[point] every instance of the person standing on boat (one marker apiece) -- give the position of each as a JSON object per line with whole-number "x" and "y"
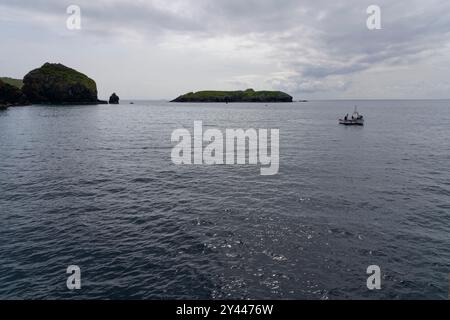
{"x": 346, "y": 117}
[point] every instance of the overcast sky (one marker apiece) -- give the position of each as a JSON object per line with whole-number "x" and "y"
{"x": 312, "y": 49}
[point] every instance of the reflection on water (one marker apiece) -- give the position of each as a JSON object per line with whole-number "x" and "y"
{"x": 95, "y": 187}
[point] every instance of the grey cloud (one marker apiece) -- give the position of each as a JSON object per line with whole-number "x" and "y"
{"x": 315, "y": 39}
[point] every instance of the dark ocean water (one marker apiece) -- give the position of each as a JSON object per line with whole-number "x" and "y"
{"x": 95, "y": 187}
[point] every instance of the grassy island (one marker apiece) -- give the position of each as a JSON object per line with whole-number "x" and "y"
{"x": 57, "y": 84}
{"x": 249, "y": 95}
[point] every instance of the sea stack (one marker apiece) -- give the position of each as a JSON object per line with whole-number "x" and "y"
{"x": 57, "y": 84}
{"x": 114, "y": 99}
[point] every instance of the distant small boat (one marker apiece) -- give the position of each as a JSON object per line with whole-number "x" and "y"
{"x": 357, "y": 119}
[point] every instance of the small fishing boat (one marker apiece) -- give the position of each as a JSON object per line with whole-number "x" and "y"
{"x": 357, "y": 119}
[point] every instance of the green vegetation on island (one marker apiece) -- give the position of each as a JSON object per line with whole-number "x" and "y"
{"x": 18, "y": 83}
{"x": 54, "y": 83}
{"x": 248, "y": 95}
{"x": 58, "y": 84}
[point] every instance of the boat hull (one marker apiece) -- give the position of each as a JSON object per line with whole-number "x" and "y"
{"x": 351, "y": 122}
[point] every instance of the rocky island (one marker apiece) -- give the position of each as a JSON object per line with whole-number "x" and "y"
{"x": 57, "y": 84}
{"x": 248, "y": 95}
{"x": 114, "y": 99}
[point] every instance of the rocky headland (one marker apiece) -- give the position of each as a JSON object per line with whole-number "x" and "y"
{"x": 11, "y": 95}
{"x": 53, "y": 83}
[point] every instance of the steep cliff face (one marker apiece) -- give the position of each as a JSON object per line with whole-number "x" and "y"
{"x": 58, "y": 84}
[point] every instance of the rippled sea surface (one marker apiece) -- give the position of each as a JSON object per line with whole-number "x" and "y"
{"x": 94, "y": 186}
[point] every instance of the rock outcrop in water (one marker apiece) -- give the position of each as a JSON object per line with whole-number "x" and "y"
{"x": 58, "y": 84}
{"x": 11, "y": 96}
{"x": 249, "y": 95}
{"x": 114, "y": 99}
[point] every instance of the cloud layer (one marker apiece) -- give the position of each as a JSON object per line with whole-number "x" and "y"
{"x": 311, "y": 48}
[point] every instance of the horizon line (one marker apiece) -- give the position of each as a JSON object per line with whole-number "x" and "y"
{"x": 312, "y": 100}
